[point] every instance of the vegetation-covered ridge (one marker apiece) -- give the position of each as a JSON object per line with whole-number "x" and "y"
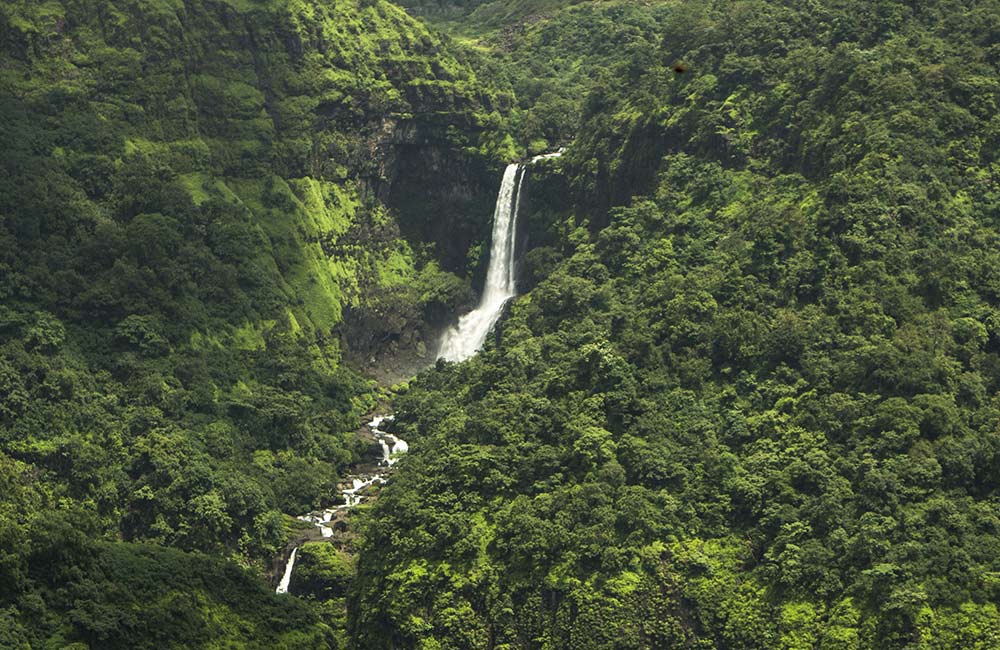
{"x": 752, "y": 402}
{"x": 189, "y": 211}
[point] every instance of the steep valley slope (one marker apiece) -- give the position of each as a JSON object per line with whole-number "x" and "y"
{"x": 202, "y": 215}
{"x": 747, "y": 396}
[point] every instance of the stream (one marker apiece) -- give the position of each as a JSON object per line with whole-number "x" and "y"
{"x": 392, "y": 447}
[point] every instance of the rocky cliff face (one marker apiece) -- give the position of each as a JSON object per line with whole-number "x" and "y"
{"x": 441, "y": 193}
{"x": 440, "y": 196}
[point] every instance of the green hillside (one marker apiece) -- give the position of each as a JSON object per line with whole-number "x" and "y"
{"x": 746, "y": 399}
{"x": 190, "y": 211}
{"x": 753, "y": 401}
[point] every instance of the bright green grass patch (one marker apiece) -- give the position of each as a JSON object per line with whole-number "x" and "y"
{"x": 329, "y": 207}
{"x": 304, "y": 268}
{"x": 398, "y": 268}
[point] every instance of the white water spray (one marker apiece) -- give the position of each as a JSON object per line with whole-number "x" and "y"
{"x": 465, "y": 339}
{"x": 462, "y": 341}
{"x": 287, "y": 578}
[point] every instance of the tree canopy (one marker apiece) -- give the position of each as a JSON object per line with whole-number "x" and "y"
{"x": 751, "y": 403}
{"x": 748, "y": 397}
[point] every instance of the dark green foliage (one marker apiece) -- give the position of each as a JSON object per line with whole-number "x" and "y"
{"x": 131, "y": 596}
{"x": 322, "y": 572}
{"x": 752, "y": 403}
{"x": 187, "y": 210}
{"x": 749, "y": 402}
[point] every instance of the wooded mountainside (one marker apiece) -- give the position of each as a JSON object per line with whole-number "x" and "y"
{"x": 752, "y": 401}
{"x": 190, "y": 195}
{"x": 748, "y": 397}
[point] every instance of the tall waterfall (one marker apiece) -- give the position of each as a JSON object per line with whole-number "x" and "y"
{"x": 464, "y": 340}
{"x": 286, "y": 579}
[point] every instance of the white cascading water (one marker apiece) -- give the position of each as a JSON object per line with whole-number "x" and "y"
{"x": 287, "y": 578}
{"x": 392, "y": 448}
{"x": 464, "y": 340}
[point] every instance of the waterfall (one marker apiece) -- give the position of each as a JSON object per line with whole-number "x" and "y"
{"x": 287, "y": 578}
{"x": 462, "y": 341}
{"x": 458, "y": 343}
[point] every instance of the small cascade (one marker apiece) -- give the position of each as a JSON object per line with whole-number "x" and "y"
{"x": 392, "y": 448}
{"x": 399, "y": 447}
{"x": 546, "y": 156}
{"x": 286, "y": 579}
{"x": 465, "y": 339}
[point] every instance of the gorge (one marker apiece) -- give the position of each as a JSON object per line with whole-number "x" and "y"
{"x": 281, "y": 366}
{"x": 457, "y": 344}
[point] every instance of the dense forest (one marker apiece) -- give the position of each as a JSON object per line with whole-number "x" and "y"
{"x": 749, "y": 396}
{"x": 192, "y": 222}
